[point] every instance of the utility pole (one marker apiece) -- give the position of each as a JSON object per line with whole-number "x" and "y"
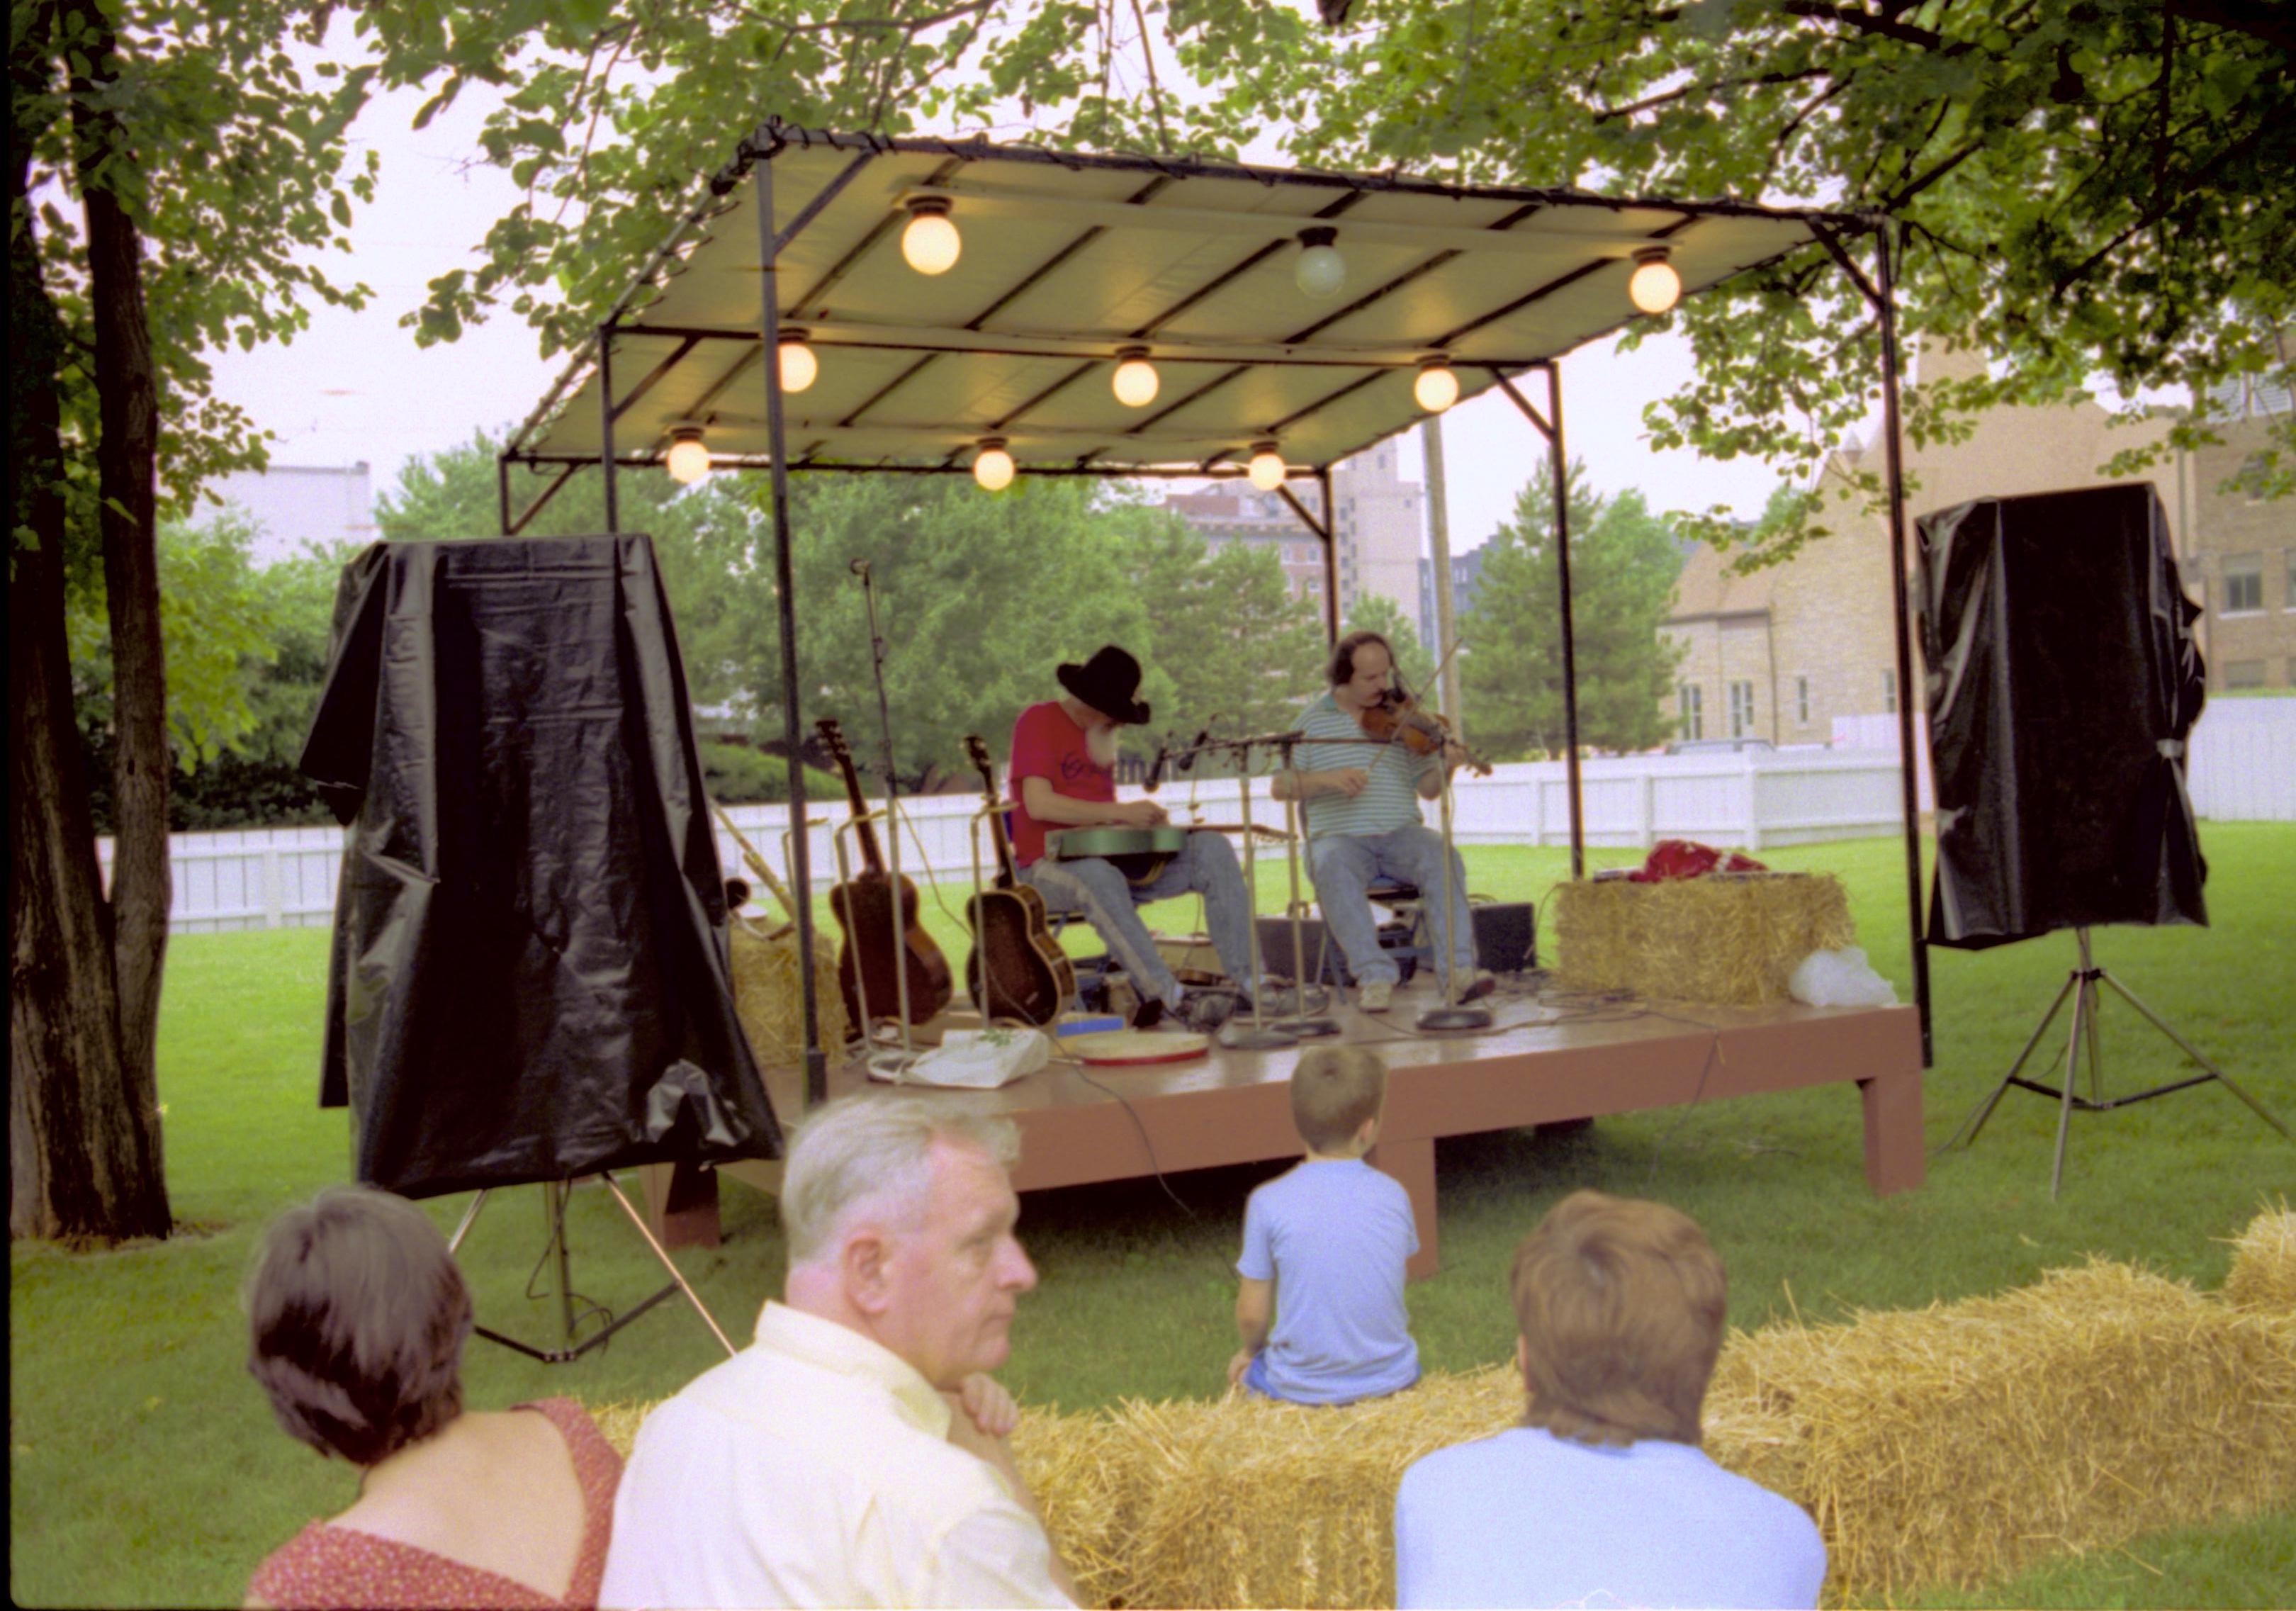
{"x": 1438, "y": 543}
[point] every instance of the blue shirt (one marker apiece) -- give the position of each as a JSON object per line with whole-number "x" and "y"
{"x": 1391, "y": 798}
{"x": 1333, "y": 1234}
{"x": 1526, "y": 1519}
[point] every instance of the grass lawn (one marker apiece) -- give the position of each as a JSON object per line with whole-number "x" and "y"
{"x": 146, "y": 1469}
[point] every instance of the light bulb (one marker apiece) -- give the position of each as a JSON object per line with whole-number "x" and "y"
{"x": 1655, "y": 286}
{"x": 930, "y": 243}
{"x": 1437, "y": 388}
{"x": 1136, "y": 379}
{"x": 1266, "y": 467}
{"x": 1321, "y": 270}
{"x": 689, "y": 459}
{"x": 992, "y": 466}
{"x": 799, "y": 365}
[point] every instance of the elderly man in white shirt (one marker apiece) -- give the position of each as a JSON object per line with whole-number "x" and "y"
{"x": 855, "y": 1454}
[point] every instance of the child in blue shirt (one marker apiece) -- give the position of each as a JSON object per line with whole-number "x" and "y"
{"x": 1323, "y": 1251}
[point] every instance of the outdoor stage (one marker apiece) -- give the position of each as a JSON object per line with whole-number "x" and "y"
{"x": 1544, "y": 1060}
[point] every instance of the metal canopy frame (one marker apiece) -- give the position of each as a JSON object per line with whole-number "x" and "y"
{"x": 1329, "y": 398}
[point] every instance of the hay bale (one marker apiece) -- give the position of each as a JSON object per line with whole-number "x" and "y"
{"x": 768, "y": 998}
{"x": 619, "y": 1423}
{"x": 2263, "y": 1275}
{"x": 1733, "y": 939}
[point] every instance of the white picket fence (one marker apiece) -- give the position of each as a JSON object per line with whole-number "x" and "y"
{"x": 2242, "y": 768}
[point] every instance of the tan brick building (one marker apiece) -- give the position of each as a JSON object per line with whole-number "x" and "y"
{"x": 2240, "y": 557}
{"x": 1779, "y": 653}
{"x": 1379, "y": 532}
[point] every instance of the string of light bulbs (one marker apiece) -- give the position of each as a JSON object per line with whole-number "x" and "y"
{"x": 931, "y": 245}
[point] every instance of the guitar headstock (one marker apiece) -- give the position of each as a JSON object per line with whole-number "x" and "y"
{"x": 833, "y": 736}
{"x": 975, "y": 748}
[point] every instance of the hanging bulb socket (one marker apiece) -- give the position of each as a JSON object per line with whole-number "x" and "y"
{"x": 1654, "y": 286}
{"x": 993, "y": 466}
{"x": 1321, "y": 270}
{"x": 688, "y": 459}
{"x": 1136, "y": 380}
{"x": 1437, "y": 385}
{"x": 931, "y": 241}
{"x": 800, "y": 366}
{"x": 1267, "y": 469}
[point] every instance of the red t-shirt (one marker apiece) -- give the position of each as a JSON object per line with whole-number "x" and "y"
{"x": 1047, "y": 744}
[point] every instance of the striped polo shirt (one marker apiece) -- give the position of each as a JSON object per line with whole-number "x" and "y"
{"x": 1390, "y": 800}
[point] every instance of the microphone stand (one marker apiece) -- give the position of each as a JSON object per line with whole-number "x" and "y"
{"x": 896, "y": 1063}
{"x": 1299, "y": 1023}
{"x": 1451, "y": 1015}
{"x": 1262, "y": 1036}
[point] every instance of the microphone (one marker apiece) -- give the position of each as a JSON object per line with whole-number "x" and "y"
{"x": 1195, "y": 748}
{"x": 1155, "y": 779}
{"x": 859, "y": 567}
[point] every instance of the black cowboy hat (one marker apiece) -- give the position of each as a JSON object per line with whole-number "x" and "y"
{"x": 1107, "y": 682}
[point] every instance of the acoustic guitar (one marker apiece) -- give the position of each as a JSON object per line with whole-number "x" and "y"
{"x": 1017, "y": 967}
{"x": 884, "y": 939}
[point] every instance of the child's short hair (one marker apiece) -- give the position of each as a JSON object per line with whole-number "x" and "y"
{"x": 1621, "y": 1304}
{"x": 1333, "y": 1090}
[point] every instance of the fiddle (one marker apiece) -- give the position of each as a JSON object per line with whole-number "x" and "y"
{"x": 1400, "y": 719}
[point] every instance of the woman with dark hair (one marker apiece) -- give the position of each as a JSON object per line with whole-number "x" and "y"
{"x": 357, "y": 1315}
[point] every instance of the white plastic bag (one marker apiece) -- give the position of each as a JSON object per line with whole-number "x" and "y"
{"x": 978, "y": 1059}
{"x": 1843, "y": 978}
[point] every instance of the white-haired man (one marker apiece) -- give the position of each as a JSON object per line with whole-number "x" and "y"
{"x": 855, "y": 1453}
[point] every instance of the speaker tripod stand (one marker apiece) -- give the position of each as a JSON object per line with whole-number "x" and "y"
{"x": 555, "y": 1194}
{"x": 2081, "y": 985}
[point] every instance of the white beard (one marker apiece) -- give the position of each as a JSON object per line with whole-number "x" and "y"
{"x": 1101, "y": 744}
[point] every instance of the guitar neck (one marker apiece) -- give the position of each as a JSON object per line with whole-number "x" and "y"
{"x": 862, "y": 831}
{"x": 1006, "y": 874}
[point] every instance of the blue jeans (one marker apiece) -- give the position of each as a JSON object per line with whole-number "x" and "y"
{"x": 1207, "y": 867}
{"x": 1345, "y": 865}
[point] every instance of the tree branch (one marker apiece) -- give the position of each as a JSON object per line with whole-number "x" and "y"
{"x": 1648, "y": 102}
{"x": 2161, "y": 208}
{"x": 1863, "y": 22}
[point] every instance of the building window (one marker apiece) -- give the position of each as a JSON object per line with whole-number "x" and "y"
{"x": 1692, "y": 698}
{"x": 2243, "y": 674}
{"x": 2243, "y": 583}
{"x": 1741, "y": 709}
{"x": 1890, "y": 692}
{"x": 1801, "y": 700}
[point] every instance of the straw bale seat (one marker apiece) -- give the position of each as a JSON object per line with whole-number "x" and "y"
{"x": 1955, "y": 1444}
{"x": 767, "y": 995}
{"x": 1730, "y": 938}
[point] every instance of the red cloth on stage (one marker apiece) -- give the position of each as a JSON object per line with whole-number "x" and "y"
{"x": 1047, "y": 743}
{"x": 1687, "y": 858}
{"x": 327, "y": 1565}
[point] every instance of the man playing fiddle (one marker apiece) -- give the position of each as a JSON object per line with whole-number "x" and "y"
{"x": 1362, "y": 810}
{"x": 1064, "y": 776}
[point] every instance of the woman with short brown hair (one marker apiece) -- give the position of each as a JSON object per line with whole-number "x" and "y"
{"x": 357, "y": 1318}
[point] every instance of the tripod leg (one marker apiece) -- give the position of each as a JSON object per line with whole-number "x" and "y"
{"x": 2186, "y": 1046}
{"x": 675, "y": 1275}
{"x": 1967, "y": 1134}
{"x": 2084, "y": 1012}
{"x": 470, "y": 1218}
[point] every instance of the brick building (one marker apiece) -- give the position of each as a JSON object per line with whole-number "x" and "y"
{"x": 2240, "y": 557}
{"x": 1377, "y": 534}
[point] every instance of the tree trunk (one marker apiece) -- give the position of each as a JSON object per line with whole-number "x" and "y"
{"x": 83, "y": 1149}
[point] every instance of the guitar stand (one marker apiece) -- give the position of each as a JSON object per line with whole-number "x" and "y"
{"x": 554, "y": 1196}
{"x": 885, "y": 1061}
{"x": 2081, "y": 985}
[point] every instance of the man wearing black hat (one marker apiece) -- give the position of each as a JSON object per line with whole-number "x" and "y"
{"x": 1064, "y": 776}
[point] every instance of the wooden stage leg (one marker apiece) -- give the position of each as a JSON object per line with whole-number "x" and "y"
{"x": 681, "y": 1204}
{"x": 1413, "y": 1163}
{"x": 1894, "y": 1159}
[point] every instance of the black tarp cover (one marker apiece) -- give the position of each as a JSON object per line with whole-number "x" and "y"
{"x": 2062, "y": 679}
{"x": 528, "y": 978}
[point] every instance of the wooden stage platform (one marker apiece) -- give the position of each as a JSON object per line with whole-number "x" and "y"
{"x": 1544, "y": 1059}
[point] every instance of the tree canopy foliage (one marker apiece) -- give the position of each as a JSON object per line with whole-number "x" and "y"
{"x": 1623, "y": 565}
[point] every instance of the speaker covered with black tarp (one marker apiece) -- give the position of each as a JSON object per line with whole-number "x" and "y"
{"x": 2062, "y": 680}
{"x": 529, "y": 976}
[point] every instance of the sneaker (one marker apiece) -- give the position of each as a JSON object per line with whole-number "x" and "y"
{"x": 1204, "y": 1010}
{"x": 1275, "y": 1002}
{"x": 1375, "y": 995}
{"x": 1477, "y": 985}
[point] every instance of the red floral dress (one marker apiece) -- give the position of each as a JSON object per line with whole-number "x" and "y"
{"x": 329, "y": 1566}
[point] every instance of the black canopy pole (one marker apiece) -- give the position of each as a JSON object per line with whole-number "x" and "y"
{"x": 606, "y": 412}
{"x": 769, "y": 323}
{"x": 1330, "y": 536}
{"x": 1561, "y": 469}
{"x": 1885, "y": 307}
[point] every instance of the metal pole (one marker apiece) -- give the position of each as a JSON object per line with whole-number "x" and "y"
{"x": 769, "y": 323}
{"x": 606, "y": 422}
{"x": 502, "y": 492}
{"x": 1439, "y": 548}
{"x": 1330, "y": 536}
{"x": 1886, "y": 314}
{"x": 1560, "y": 465}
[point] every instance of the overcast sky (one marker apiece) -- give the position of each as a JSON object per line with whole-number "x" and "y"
{"x": 356, "y": 387}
